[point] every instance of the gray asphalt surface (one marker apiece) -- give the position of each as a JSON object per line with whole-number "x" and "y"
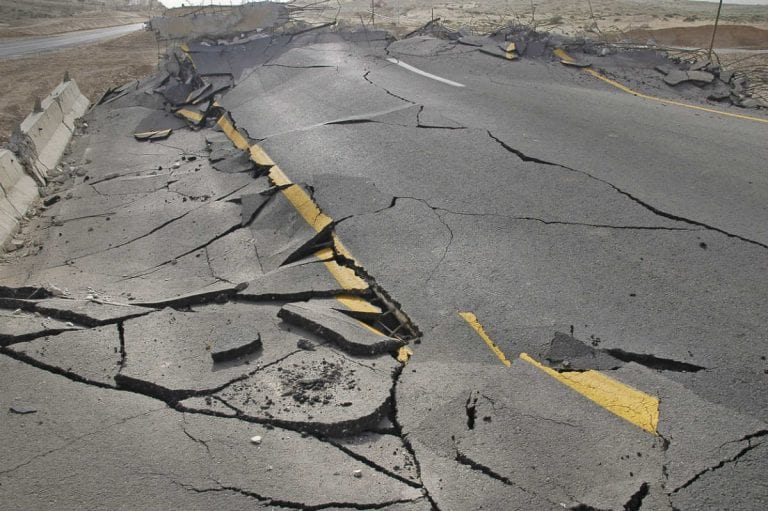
{"x": 583, "y": 226}
{"x": 22, "y": 46}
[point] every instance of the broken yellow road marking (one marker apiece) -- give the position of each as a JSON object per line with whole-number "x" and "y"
{"x": 511, "y": 49}
{"x": 630, "y": 404}
{"x": 562, "y": 55}
{"x": 474, "y": 323}
{"x": 259, "y": 157}
{"x": 404, "y": 354}
{"x": 232, "y": 134}
{"x": 193, "y": 116}
{"x": 153, "y": 135}
{"x": 311, "y": 213}
{"x": 345, "y": 276}
{"x": 300, "y": 200}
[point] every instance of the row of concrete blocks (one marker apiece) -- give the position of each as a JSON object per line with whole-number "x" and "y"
{"x": 40, "y": 143}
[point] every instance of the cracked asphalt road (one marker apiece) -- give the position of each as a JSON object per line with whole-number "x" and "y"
{"x": 229, "y": 340}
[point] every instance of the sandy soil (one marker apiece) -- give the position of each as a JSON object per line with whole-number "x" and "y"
{"x": 566, "y": 17}
{"x": 728, "y": 36}
{"x": 95, "y": 68}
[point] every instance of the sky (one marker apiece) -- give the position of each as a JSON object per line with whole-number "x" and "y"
{"x": 177, "y": 3}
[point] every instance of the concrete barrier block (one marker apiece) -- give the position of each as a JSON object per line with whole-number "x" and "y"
{"x": 41, "y": 126}
{"x": 51, "y": 152}
{"x": 50, "y": 130}
{"x": 72, "y": 103}
{"x": 17, "y": 193}
{"x": 23, "y": 194}
{"x": 10, "y": 170}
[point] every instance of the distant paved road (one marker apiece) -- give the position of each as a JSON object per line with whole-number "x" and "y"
{"x": 22, "y": 46}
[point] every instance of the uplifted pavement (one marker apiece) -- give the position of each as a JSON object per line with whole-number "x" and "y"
{"x": 283, "y": 330}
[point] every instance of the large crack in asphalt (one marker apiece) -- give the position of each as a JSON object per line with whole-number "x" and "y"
{"x": 76, "y": 439}
{"x": 157, "y": 267}
{"x": 397, "y": 198}
{"x": 411, "y": 331}
{"x": 287, "y": 504}
{"x": 174, "y": 403}
{"x": 733, "y": 459}
{"x": 466, "y": 461}
{"x": 398, "y": 431}
{"x": 133, "y": 240}
{"x": 653, "y": 209}
{"x": 367, "y": 79}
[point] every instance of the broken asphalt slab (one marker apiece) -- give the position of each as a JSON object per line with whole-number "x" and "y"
{"x": 676, "y": 77}
{"x": 93, "y": 356}
{"x": 19, "y": 326}
{"x": 350, "y": 335}
{"x": 89, "y": 312}
{"x": 168, "y": 353}
{"x": 385, "y": 451}
{"x": 701, "y": 436}
{"x": 281, "y": 233}
{"x": 194, "y": 461}
{"x": 583, "y": 456}
{"x": 487, "y": 210}
{"x": 295, "y": 282}
{"x": 321, "y": 391}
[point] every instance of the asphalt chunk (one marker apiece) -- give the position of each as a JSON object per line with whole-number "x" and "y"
{"x": 228, "y": 349}
{"x": 91, "y": 356}
{"x": 169, "y": 352}
{"x": 299, "y": 281}
{"x": 19, "y": 327}
{"x": 349, "y": 334}
{"x": 568, "y": 353}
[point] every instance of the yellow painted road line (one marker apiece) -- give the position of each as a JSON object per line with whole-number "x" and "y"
{"x": 300, "y": 200}
{"x": 345, "y": 276}
{"x": 311, "y": 213}
{"x": 153, "y": 135}
{"x": 670, "y": 101}
{"x": 562, "y": 55}
{"x": 235, "y": 136}
{"x": 193, "y": 116}
{"x": 630, "y": 404}
{"x": 260, "y": 157}
{"x": 404, "y": 354}
{"x": 474, "y": 323}
{"x": 511, "y": 49}
{"x": 185, "y": 48}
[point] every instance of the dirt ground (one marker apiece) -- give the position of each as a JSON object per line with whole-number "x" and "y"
{"x": 95, "y": 68}
{"x": 49, "y": 26}
{"x": 566, "y": 17}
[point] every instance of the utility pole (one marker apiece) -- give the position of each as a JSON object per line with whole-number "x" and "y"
{"x": 714, "y": 31}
